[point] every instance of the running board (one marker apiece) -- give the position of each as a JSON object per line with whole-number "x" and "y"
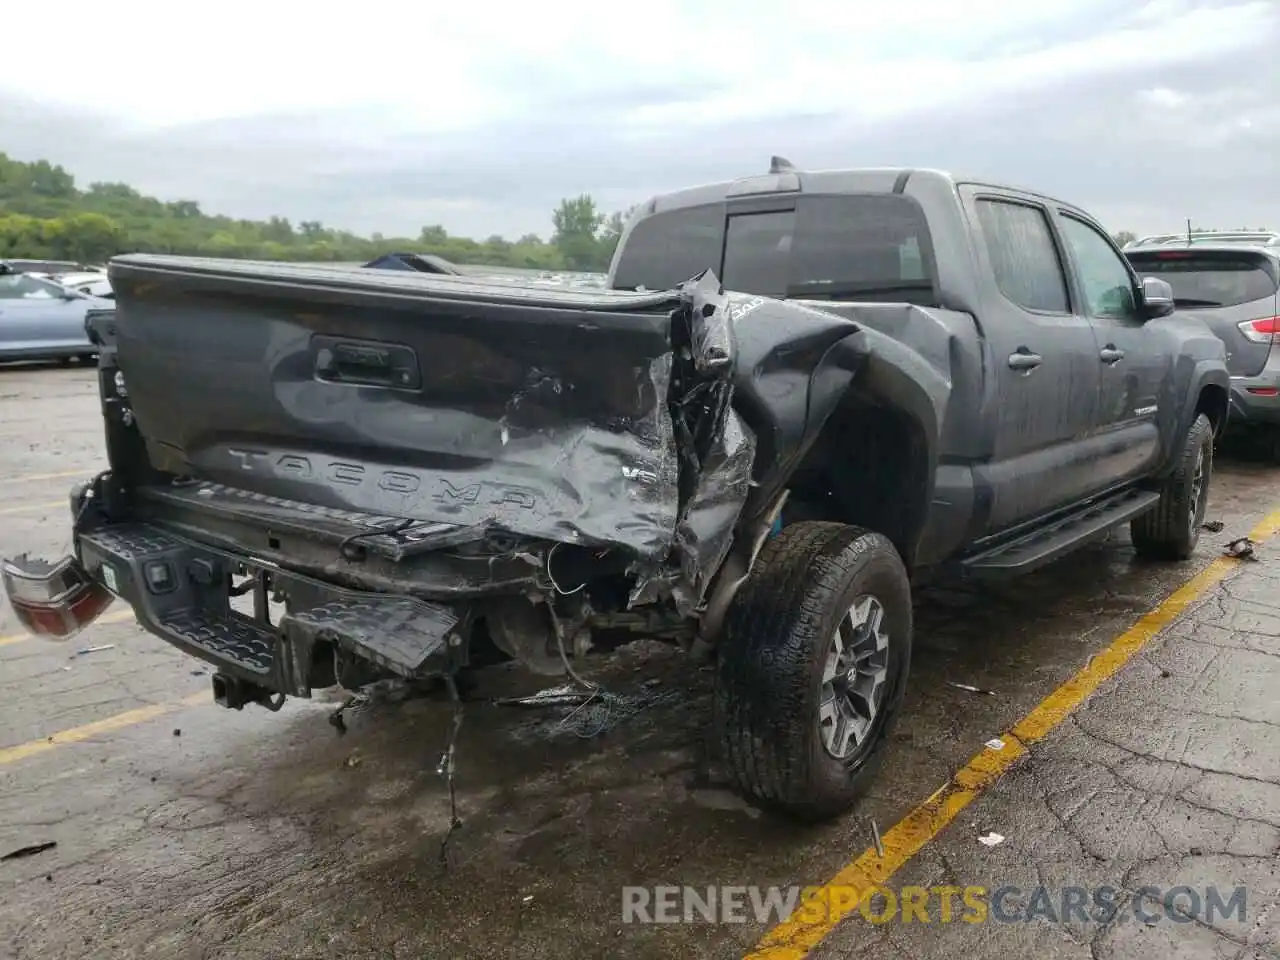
{"x": 1056, "y": 539}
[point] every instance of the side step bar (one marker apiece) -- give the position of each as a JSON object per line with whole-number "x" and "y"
{"x": 1056, "y": 539}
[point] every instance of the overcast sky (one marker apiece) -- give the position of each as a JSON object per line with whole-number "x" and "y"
{"x": 481, "y": 115}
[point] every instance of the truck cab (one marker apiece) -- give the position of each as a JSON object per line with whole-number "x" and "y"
{"x": 1071, "y": 377}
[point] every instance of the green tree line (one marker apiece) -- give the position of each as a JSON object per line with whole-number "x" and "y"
{"x": 44, "y": 215}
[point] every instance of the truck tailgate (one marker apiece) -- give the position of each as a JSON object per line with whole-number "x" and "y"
{"x": 538, "y": 412}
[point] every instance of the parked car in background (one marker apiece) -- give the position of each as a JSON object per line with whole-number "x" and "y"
{"x": 1232, "y": 285}
{"x": 93, "y": 283}
{"x": 1257, "y": 238}
{"x": 52, "y": 267}
{"x": 42, "y": 320}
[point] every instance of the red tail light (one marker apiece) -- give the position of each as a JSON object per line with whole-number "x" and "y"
{"x": 54, "y": 600}
{"x": 1174, "y": 255}
{"x": 1264, "y": 330}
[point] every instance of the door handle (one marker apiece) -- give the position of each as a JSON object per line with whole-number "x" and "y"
{"x": 1024, "y": 360}
{"x": 1109, "y": 354}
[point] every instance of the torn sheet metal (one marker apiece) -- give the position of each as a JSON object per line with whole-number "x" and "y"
{"x": 716, "y": 450}
{"x": 710, "y": 318}
{"x": 707, "y": 522}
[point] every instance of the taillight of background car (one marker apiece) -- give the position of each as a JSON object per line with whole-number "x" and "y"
{"x": 1263, "y": 330}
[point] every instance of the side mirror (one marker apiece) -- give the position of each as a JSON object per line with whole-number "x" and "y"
{"x": 1157, "y": 298}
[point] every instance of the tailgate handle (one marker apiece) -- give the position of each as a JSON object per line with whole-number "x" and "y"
{"x": 366, "y": 363}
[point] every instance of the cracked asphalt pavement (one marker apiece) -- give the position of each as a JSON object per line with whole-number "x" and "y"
{"x": 187, "y": 831}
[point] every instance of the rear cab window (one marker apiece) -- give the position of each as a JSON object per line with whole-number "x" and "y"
{"x": 865, "y": 247}
{"x": 1204, "y": 278}
{"x": 1024, "y": 257}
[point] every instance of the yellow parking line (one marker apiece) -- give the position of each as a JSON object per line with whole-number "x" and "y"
{"x": 77, "y": 734}
{"x": 118, "y": 616}
{"x": 37, "y": 506}
{"x": 33, "y": 477}
{"x": 793, "y": 938}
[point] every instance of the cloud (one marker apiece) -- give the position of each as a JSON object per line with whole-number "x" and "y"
{"x": 482, "y": 116}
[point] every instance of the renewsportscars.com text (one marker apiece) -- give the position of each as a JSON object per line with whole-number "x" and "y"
{"x": 939, "y": 904}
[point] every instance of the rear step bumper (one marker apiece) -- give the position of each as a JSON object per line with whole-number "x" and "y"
{"x": 180, "y": 591}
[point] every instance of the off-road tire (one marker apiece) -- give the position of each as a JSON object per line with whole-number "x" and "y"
{"x": 1169, "y": 532}
{"x": 770, "y": 663}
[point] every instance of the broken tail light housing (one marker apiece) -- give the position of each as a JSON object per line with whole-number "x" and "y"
{"x": 1263, "y": 330}
{"x": 54, "y": 600}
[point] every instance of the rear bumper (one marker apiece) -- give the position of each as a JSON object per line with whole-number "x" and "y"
{"x": 1256, "y": 399}
{"x": 182, "y": 592}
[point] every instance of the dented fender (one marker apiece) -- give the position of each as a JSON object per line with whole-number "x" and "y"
{"x": 796, "y": 365}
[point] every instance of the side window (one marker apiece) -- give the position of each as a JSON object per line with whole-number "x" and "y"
{"x": 16, "y": 286}
{"x": 1023, "y": 255}
{"x": 1108, "y": 285}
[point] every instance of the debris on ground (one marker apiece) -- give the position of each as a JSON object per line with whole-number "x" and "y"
{"x": 337, "y": 719}
{"x": 98, "y": 649}
{"x": 1213, "y": 526}
{"x": 875, "y": 835}
{"x": 995, "y": 743}
{"x": 969, "y": 689}
{"x": 354, "y": 760}
{"x": 30, "y": 851}
{"x": 991, "y": 839}
{"x": 379, "y": 693}
{"x": 1241, "y": 549}
{"x": 447, "y": 767}
{"x": 566, "y": 695}
{"x": 585, "y": 714}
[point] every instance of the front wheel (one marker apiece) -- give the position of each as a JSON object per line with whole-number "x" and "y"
{"x": 812, "y": 668}
{"x": 1172, "y": 530}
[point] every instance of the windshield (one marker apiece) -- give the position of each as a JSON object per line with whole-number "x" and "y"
{"x": 843, "y": 247}
{"x": 1209, "y": 282}
{"x": 19, "y": 286}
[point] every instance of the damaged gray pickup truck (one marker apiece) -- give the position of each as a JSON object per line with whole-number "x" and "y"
{"x": 801, "y": 393}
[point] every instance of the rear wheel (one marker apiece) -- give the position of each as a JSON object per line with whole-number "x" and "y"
{"x": 812, "y": 668}
{"x": 1172, "y": 529}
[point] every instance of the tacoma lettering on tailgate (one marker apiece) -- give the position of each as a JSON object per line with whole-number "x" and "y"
{"x": 298, "y": 467}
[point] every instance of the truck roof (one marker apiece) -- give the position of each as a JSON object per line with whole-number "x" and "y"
{"x": 783, "y": 177}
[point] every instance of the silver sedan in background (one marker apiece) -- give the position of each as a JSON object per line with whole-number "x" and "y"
{"x": 42, "y": 320}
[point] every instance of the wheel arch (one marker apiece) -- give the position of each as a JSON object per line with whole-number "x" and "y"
{"x": 1214, "y": 402}
{"x": 873, "y": 447}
